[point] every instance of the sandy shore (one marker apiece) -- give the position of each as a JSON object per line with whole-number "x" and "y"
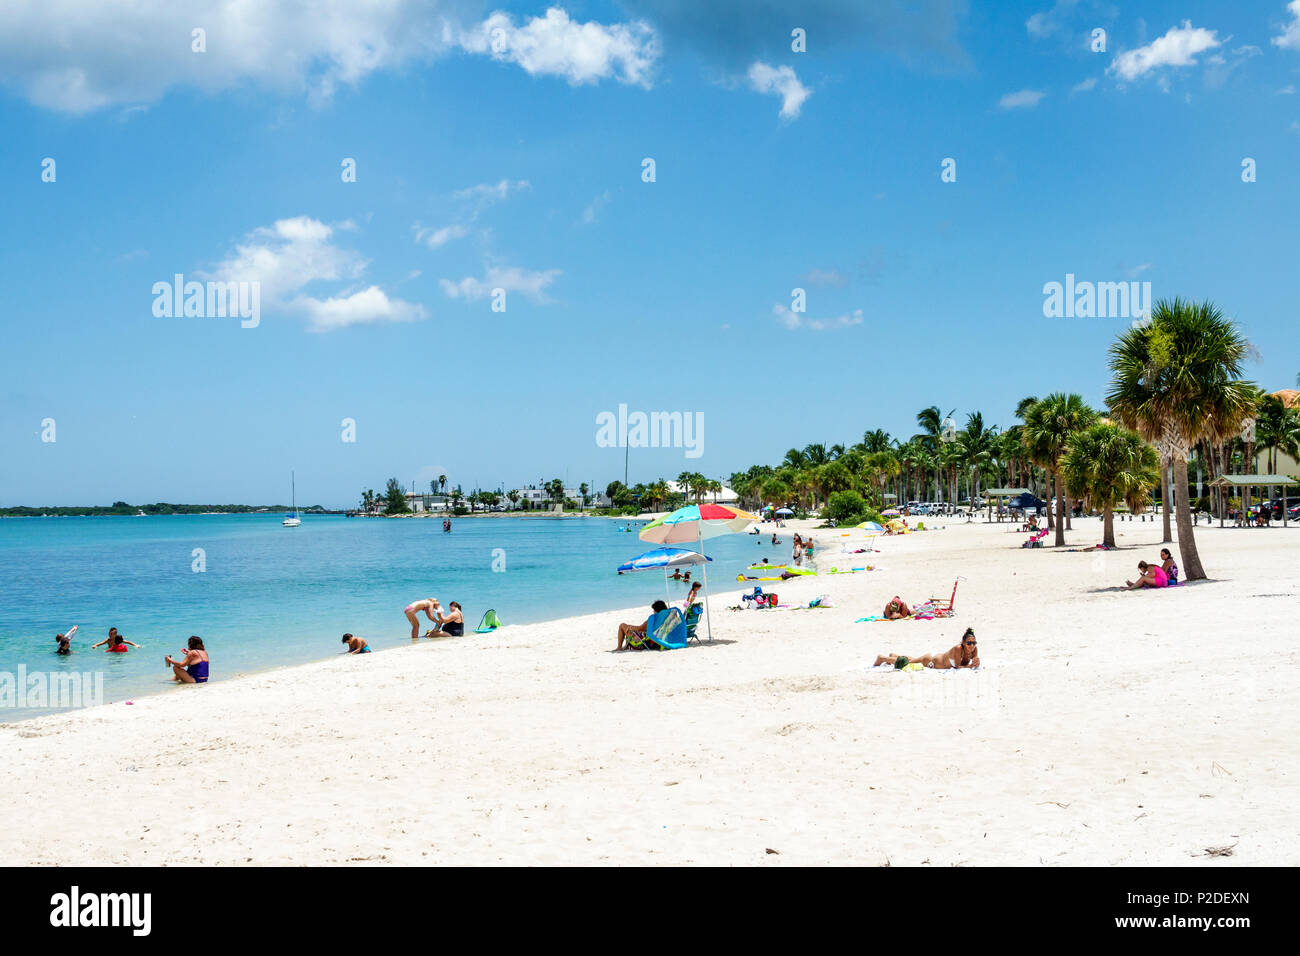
{"x": 1104, "y": 728}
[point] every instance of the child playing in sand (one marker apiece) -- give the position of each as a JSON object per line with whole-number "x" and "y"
{"x": 356, "y": 645}
{"x": 965, "y": 654}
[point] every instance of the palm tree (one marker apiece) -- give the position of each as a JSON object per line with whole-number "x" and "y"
{"x": 794, "y": 458}
{"x": 816, "y": 455}
{"x": 882, "y": 466}
{"x": 775, "y": 491}
{"x": 442, "y": 481}
{"x": 1277, "y": 429}
{"x": 876, "y": 441}
{"x": 976, "y": 445}
{"x": 1107, "y": 465}
{"x": 1176, "y": 382}
{"x": 930, "y": 420}
{"x": 1049, "y": 426}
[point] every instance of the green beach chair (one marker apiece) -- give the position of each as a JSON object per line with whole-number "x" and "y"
{"x": 692, "y": 621}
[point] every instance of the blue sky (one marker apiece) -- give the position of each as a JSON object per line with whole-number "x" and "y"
{"x": 501, "y": 146}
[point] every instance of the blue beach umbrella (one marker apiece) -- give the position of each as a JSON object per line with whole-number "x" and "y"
{"x": 665, "y": 558}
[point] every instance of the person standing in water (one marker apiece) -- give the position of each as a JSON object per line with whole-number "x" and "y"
{"x": 429, "y": 606}
{"x": 193, "y": 667}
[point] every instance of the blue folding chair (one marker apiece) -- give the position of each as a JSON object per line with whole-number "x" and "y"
{"x": 667, "y": 630}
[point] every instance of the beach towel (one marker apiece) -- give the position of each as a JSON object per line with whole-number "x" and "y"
{"x": 667, "y": 629}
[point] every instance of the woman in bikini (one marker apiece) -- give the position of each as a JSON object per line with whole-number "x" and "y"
{"x": 965, "y": 654}
{"x": 429, "y": 606}
{"x": 1152, "y": 576}
{"x": 193, "y": 667}
{"x": 897, "y": 609}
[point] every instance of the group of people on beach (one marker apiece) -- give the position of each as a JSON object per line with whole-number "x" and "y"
{"x": 450, "y": 624}
{"x": 191, "y": 668}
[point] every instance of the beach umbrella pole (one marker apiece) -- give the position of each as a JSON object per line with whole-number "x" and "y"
{"x": 704, "y": 570}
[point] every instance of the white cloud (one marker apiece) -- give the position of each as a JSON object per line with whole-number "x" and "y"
{"x": 369, "y": 305}
{"x": 1084, "y": 86}
{"x": 1021, "y": 100}
{"x": 593, "y": 208}
{"x": 1290, "y": 38}
{"x": 1178, "y": 47}
{"x": 291, "y": 254}
{"x": 783, "y": 82}
{"x": 1288, "y": 90}
{"x": 433, "y": 238}
{"x": 554, "y": 45}
{"x": 1046, "y": 22}
{"x": 510, "y": 278}
{"x": 796, "y": 320}
{"x": 1136, "y": 271}
{"x": 82, "y": 55}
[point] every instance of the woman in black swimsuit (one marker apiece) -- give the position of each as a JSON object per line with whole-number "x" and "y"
{"x": 449, "y": 625}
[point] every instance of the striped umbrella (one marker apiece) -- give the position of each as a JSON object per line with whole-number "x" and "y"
{"x": 695, "y": 523}
{"x": 665, "y": 558}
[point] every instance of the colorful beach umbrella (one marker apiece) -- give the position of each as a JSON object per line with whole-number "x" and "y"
{"x": 695, "y": 523}
{"x": 784, "y": 511}
{"x": 870, "y": 526}
{"x": 665, "y": 558}
{"x": 890, "y": 512}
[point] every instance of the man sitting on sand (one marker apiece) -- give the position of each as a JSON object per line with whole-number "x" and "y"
{"x": 449, "y": 625}
{"x": 897, "y": 609}
{"x": 1153, "y": 576}
{"x": 637, "y": 630}
{"x": 356, "y": 645}
{"x": 965, "y": 654}
{"x": 429, "y": 606}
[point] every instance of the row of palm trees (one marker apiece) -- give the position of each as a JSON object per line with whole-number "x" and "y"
{"x": 1176, "y": 389}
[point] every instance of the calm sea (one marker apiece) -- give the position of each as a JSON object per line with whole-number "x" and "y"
{"x": 270, "y": 596}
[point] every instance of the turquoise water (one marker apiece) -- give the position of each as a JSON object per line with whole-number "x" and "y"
{"x": 272, "y": 596}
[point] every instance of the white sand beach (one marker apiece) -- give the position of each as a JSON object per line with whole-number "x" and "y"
{"x": 1104, "y": 728}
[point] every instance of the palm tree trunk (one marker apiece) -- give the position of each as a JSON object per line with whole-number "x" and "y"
{"x": 1191, "y": 563}
{"x": 1060, "y": 513}
{"x": 1108, "y": 528}
{"x": 1164, "y": 500}
{"x": 1051, "y": 519}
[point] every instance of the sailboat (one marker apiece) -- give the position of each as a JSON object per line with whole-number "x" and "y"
{"x": 293, "y": 520}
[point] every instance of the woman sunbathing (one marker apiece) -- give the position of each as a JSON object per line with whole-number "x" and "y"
{"x": 897, "y": 609}
{"x": 627, "y": 631}
{"x": 1153, "y": 576}
{"x": 965, "y": 654}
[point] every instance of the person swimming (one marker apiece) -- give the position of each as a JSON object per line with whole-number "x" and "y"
{"x": 965, "y": 654}
{"x": 117, "y": 644}
{"x": 193, "y": 668}
{"x": 64, "y": 641}
{"x": 356, "y": 645}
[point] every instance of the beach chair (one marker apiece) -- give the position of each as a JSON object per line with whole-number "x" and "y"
{"x": 666, "y": 630}
{"x": 692, "y": 622}
{"x": 944, "y": 607}
{"x": 1036, "y": 540}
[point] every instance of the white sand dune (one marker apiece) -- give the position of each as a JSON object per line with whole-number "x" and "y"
{"x": 1106, "y": 728}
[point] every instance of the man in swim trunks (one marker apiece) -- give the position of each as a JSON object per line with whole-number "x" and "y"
{"x": 449, "y": 625}
{"x": 193, "y": 668}
{"x": 965, "y": 654}
{"x": 429, "y": 606}
{"x": 356, "y": 645}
